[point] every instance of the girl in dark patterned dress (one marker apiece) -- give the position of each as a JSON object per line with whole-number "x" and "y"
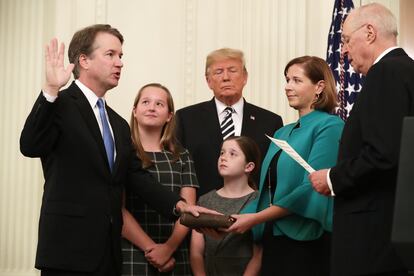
{"x": 154, "y": 245}
{"x": 231, "y": 254}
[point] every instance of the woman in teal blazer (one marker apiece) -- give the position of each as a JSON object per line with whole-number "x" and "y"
{"x": 290, "y": 219}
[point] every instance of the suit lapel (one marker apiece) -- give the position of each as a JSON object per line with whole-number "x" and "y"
{"x": 249, "y": 120}
{"x": 212, "y": 123}
{"x": 89, "y": 117}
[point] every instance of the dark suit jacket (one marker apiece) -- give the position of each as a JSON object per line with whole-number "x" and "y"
{"x": 198, "y": 129}
{"x": 364, "y": 178}
{"x": 81, "y": 206}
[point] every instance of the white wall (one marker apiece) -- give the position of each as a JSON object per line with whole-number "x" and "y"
{"x": 165, "y": 41}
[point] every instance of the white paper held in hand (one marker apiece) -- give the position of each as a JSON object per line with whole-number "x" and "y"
{"x": 292, "y": 153}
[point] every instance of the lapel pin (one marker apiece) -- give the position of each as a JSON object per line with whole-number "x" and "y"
{"x": 252, "y": 117}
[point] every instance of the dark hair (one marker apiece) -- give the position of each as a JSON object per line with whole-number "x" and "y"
{"x": 83, "y": 40}
{"x": 252, "y": 154}
{"x": 167, "y": 139}
{"x": 317, "y": 69}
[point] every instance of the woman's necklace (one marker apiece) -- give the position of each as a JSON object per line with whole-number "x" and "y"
{"x": 269, "y": 186}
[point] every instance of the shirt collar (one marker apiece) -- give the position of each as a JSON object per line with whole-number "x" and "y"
{"x": 90, "y": 96}
{"x": 384, "y": 53}
{"x": 238, "y": 106}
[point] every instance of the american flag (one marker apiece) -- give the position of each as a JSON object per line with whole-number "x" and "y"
{"x": 348, "y": 83}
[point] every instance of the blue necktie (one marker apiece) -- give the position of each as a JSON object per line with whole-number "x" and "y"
{"x": 106, "y": 133}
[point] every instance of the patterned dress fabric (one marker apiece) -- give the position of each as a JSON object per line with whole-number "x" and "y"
{"x": 174, "y": 174}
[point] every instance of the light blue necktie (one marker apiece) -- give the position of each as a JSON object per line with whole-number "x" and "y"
{"x": 106, "y": 133}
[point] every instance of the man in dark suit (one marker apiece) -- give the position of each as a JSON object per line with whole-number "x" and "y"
{"x": 364, "y": 179}
{"x": 86, "y": 158}
{"x": 199, "y": 125}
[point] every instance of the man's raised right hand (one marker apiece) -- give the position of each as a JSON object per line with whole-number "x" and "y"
{"x": 56, "y": 74}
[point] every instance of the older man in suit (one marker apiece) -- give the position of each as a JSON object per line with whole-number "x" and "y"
{"x": 202, "y": 127}
{"x": 364, "y": 179}
{"x": 87, "y": 158}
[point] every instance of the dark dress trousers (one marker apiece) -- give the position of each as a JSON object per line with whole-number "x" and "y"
{"x": 80, "y": 215}
{"x": 198, "y": 130}
{"x": 364, "y": 179}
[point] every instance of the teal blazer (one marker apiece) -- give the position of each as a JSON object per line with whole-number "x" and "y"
{"x": 317, "y": 141}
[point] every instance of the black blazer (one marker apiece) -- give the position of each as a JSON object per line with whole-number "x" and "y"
{"x": 81, "y": 206}
{"x": 364, "y": 178}
{"x": 198, "y": 129}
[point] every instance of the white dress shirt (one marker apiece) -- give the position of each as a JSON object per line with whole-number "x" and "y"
{"x": 92, "y": 99}
{"x": 237, "y": 115}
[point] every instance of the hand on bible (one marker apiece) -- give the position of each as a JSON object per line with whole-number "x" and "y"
{"x": 183, "y": 207}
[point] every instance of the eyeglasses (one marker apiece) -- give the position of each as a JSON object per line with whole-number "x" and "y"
{"x": 346, "y": 38}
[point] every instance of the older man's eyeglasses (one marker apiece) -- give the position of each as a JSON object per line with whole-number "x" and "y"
{"x": 346, "y": 38}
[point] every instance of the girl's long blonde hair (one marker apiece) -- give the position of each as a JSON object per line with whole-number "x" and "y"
{"x": 168, "y": 141}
